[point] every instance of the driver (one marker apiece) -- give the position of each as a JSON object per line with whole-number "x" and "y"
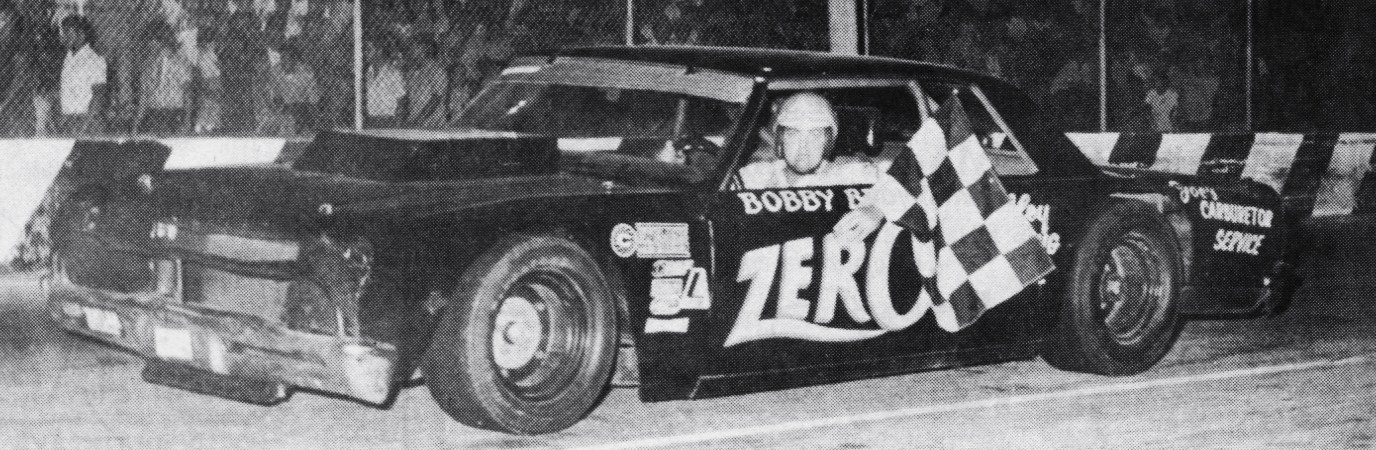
{"x": 804, "y": 132}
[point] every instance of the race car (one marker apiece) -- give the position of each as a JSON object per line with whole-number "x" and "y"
{"x": 583, "y": 224}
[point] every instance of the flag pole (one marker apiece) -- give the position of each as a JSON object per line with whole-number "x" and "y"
{"x": 1103, "y": 66}
{"x": 630, "y": 22}
{"x": 358, "y": 64}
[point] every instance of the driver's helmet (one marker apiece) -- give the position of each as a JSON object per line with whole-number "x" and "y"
{"x": 805, "y": 111}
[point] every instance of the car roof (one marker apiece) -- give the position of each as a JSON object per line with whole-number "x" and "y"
{"x": 772, "y": 63}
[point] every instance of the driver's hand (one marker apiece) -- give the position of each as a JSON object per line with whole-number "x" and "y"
{"x": 858, "y": 224}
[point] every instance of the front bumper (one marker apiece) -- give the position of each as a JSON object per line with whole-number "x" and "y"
{"x": 158, "y": 326}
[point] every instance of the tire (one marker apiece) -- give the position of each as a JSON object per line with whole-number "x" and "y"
{"x": 1120, "y": 312}
{"x": 552, "y": 362}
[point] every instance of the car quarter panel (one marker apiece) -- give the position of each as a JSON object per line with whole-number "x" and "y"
{"x": 1237, "y": 236}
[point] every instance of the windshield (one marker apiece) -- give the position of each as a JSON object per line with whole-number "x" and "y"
{"x": 571, "y": 111}
{"x": 637, "y": 134}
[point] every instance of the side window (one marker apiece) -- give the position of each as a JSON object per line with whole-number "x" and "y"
{"x": 872, "y": 124}
{"x": 1004, "y": 150}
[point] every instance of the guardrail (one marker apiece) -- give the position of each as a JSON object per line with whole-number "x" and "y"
{"x": 1330, "y": 168}
{"x": 36, "y": 175}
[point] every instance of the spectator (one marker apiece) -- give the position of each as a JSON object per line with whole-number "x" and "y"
{"x": 677, "y": 25}
{"x": 296, "y": 90}
{"x": 271, "y": 118}
{"x": 241, "y": 60}
{"x": 210, "y": 87}
{"x": 330, "y": 52}
{"x": 1162, "y": 99}
{"x": 385, "y": 85}
{"x": 81, "y": 81}
{"x": 426, "y": 84}
{"x": 1200, "y": 88}
{"x": 163, "y": 83}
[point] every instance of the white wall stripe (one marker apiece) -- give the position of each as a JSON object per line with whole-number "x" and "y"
{"x": 1271, "y": 157}
{"x": 190, "y": 153}
{"x": 28, "y": 169}
{"x": 1181, "y": 153}
{"x": 1096, "y": 146}
{"x": 1351, "y": 162}
{"x": 804, "y": 425}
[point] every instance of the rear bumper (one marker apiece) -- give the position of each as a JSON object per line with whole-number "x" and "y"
{"x": 160, "y": 327}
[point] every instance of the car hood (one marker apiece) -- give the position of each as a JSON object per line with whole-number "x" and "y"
{"x": 278, "y": 197}
{"x": 396, "y": 176}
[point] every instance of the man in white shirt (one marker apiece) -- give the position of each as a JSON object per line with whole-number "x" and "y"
{"x": 804, "y": 132}
{"x": 164, "y": 82}
{"x": 385, "y": 87}
{"x": 82, "y": 81}
{"x": 1162, "y": 99}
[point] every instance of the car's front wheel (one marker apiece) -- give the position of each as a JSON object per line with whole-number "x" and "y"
{"x": 528, "y": 339}
{"x": 1120, "y": 315}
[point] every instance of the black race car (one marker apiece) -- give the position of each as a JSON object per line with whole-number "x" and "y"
{"x": 582, "y": 224}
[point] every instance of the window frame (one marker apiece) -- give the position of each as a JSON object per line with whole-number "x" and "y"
{"x": 731, "y": 176}
{"x": 993, "y": 115}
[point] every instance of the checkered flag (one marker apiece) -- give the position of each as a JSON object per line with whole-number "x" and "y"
{"x": 970, "y": 241}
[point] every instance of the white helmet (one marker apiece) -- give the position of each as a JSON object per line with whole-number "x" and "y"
{"x": 806, "y": 111}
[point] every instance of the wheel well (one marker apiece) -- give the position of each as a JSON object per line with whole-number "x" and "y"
{"x": 1177, "y": 217}
{"x": 448, "y": 262}
{"x": 448, "y": 274}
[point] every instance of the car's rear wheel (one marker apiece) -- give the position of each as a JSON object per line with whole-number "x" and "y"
{"x": 527, "y": 341}
{"x": 1120, "y": 315}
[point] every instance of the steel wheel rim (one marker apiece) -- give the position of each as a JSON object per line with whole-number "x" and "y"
{"x": 537, "y": 361}
{"x": 1133, "y": 289}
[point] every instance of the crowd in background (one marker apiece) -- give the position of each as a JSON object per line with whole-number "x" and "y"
{"x": 1177, "y": 66}
{"x": 426, "y": 58}
{"x": 286, "y": 67}
{"x": 1047, "y": 47}
{"x": 173, "y": 67}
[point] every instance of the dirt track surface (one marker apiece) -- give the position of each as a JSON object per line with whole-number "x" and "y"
{"x": 1303, "y": 380}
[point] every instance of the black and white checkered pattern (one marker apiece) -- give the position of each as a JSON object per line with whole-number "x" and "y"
{"x": 971, "y": 243}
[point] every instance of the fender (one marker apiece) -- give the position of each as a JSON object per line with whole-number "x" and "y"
{"x": 1235, "y": 239}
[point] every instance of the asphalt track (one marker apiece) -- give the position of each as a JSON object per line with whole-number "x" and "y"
{"x": 1302, "y": 380}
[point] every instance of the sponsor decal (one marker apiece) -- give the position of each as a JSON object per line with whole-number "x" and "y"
{"x": 623, "y": 240}
{"x": 1238, "y": 242}
{"x": 1040, "y": 218}
{"x": 1237, "y": 214}
{"x": 661, "y": 240}
{"x": 679, "y": 325}
{"x": 671, "y": 268}
{"x": 650, "y": 240}
{"x": 666, "y": 287}
{"x": 673, "y": 290}
{"x": 793, "y": 200}
{"x": 799, "y": 318}
{"x": 1188, "y": 193}
{"x": 1038, "y": 215}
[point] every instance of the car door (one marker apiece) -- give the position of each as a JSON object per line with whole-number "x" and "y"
{"x": 791, "y": 297}
{"x": 1058, "y": 205}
